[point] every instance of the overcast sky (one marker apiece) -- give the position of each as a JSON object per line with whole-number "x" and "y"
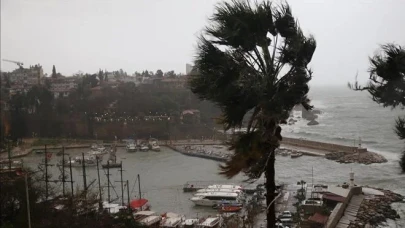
{"x": 134, "y": 35}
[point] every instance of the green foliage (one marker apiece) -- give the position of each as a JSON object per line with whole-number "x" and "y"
{"x": 239, "y": 64}
{"x": 239, "y": 69}
{"x": 18, "y": 125}
{"x": 159, "y": 73}
{"x": 170, "y": 74}
{"x": 387, "y": 83}
{"x": 53, "y": 71}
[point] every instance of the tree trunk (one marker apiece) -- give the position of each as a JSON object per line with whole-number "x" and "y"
{"x": 270, "y": 191}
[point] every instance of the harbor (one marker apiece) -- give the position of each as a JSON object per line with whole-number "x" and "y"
{"x": 169, "y": 189}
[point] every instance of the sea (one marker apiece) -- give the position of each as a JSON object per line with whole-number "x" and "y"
{"x": 347, "y": 117}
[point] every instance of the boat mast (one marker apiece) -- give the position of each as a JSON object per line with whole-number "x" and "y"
{"x": 71, "y": 176}
{"x": 84, "y": 176}
{"x": 46, "y": 174}
{"x": 108, "y": 181}
{"x": 99, "y": 185}
{"x": 122, "y": 186}
{"x": 139, "y": 186}
{"x": 63, "y": 171}
{"x": 128, "y": 205}
{"x": 27, "y": 195}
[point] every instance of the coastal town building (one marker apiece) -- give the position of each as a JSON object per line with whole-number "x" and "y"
{"x": 62, "y": 86}
{"x": 22, "y": 79}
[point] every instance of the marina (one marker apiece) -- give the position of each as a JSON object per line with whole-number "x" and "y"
{"x": 169, "y": 189}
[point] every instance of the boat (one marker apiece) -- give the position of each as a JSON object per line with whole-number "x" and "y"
{"x": 77, "y": 161}
{"x": 140, "y": 215}
{"x": 111, "y": 165}
{"x": 219, "y": 190}
{"x": 15, "y": 164}
{"x": 139, "y": 205}
{"x": 94, "y": 146}
{"x": 225, "y": 186}
{"x": 155, "y": 147}
{"x": 190, "y": 223}
{"x": 113, "y": 208}
{"x": 131, "y": 147}
{"x": 151, "y": 221}
{"x": 144, "y": 147}
{"x": 209, "y": 222}
{"x": 230, "y": 208}
{"x": 213, "y": 198}
{"x": 284, "y": 153}
{"x": 171, "y": 220}
{"x": 97, "y": 152}
{"x": 296, "y": 154}
{"x": 98, "y": 147}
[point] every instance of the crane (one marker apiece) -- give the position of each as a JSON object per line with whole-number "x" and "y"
{"x": 20, "y": 64}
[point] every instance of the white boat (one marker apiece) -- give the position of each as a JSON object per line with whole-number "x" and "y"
{"x": 296, "y": 154}
{"x": 219, "y": 190}
{"x": 94, "y": 146}
{"x": 225, "y": 186}
{"x": 155, "y": 147}
{"x": 213, "y": 198}
{"x": 144, "y": 147}
{"x": 210, "y": 222}
{"x": 284, "y": 153}
{"x": 140, "y": 215}
{"x": 151, "y": 221}
{"x": 78, "y": 161}
{"x": 97, "y": 152}
{"x": 190, "y": 223}
{"x": 172, "y": 220}
{"x": 131, "y": 147}
{"x": 113, "y": 208}
{"x": 147, "y": 218}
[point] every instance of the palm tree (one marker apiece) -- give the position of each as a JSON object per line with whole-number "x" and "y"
{"x": 387, "y": 82}
{"x": 252, "y": 61}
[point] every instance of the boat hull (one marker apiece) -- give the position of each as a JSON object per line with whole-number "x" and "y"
{"x": 111, "y": 166}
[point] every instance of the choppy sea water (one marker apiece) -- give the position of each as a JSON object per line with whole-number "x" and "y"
{"x": 346, "y": 116}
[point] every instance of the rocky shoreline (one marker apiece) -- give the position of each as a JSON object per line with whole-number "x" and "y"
{"x": 366, "y": 158}
{"x": 376, "y": 210}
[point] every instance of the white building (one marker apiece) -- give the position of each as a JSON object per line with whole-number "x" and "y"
{"x": 62, "y": 87}
{"x": 189, "y": 68}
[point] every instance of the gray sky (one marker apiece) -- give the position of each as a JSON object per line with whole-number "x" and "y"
{"x": 134, "y": 35}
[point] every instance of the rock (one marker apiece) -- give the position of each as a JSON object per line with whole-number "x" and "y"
{"x": 316, "y": 111}
{"x": 312, "y": 122}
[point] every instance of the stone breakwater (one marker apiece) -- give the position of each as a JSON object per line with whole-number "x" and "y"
{"x": 376, "y": 210}
{"x": 359, "y": 157}
{"x": 202, "y": 151}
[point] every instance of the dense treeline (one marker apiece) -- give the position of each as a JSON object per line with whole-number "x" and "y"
{"x": 387, "y": 84}
{"x": 39, "y": 113}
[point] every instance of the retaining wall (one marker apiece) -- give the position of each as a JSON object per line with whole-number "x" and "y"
{"x": 321, "y": 145}
{"x": 340, "y": 208}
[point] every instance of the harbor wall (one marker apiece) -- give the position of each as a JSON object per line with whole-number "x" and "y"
{"x": 321, "y": 145}
{"x": 340, "y": 208}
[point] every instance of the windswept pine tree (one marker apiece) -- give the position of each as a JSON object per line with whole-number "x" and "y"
{"x": 387, "y": 84}
{"x": 253, "y": 58}
{"x": 53, "y": 72}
